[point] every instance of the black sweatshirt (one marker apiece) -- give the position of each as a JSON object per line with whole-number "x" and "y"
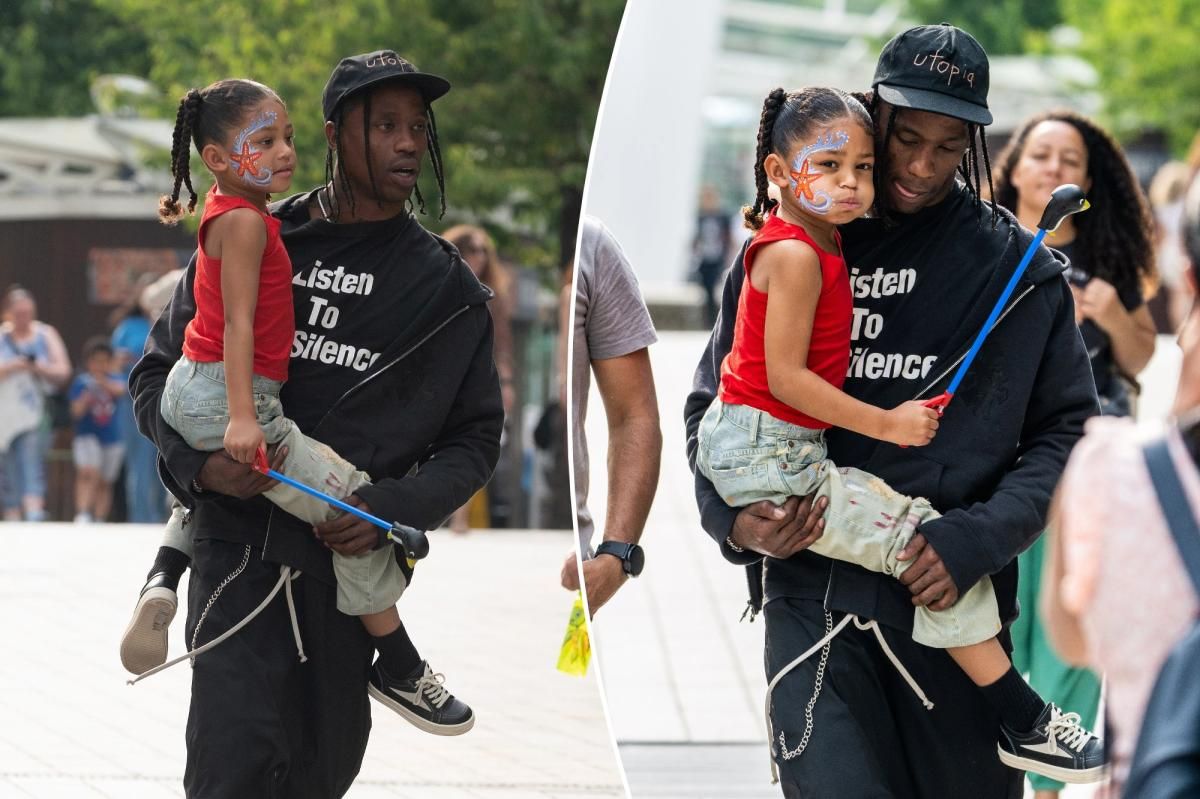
{"x": 391, "y": 366}
{"x": 923, "y": 288}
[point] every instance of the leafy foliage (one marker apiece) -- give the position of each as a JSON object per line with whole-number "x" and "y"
{"x": 515, "y": 130}
{"x": 1148, "y": 57}
{"x": 1003, "y": 27}
{"x": 54, "y": 48}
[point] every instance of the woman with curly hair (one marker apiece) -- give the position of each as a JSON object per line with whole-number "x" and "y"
{"x": 479, "y": 251}
{"x": 1112, "y": 274}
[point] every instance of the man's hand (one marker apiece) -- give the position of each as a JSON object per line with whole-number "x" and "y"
{"x": 927, "y": 578}
{"x": 780, "y": 531}
{"x": 348, "y": 534}
{"x": 570, "y": 573}
{"x": 224, "y": 475}
{"x": 602, "y": 575}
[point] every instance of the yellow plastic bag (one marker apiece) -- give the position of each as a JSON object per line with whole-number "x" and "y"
{"x": 576, "y": 647}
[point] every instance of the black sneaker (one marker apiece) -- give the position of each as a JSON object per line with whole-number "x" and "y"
{"x": 1057, "y": 747}
{"x": 144, "y": 644}
{"x": 422, "y": 700}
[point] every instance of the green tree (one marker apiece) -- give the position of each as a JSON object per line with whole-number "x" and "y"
{"x": 53, "y": 49}
{"x": 515, "y": 129}
{"x": 1148, "y": 58}
{"x": 1003, "y": 27}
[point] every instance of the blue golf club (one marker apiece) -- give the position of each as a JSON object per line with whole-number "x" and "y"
{"x": 414, "y": 542}
{"x": 1065, "y": 200}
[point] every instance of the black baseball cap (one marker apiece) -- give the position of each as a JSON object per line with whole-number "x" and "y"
{"x": 357, "y": 72}
{"x": 938, "y": 68}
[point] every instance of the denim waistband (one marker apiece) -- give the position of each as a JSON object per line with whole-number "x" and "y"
{"x": 215, "y": 370}
{"x": 760, "y": 423}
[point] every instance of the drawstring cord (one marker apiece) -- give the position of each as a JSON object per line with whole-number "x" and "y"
{"x": 823, "y": 645}
{"x": 286, "y": 576}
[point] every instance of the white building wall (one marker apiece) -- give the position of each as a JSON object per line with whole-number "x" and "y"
{"x": 643, "y": 177}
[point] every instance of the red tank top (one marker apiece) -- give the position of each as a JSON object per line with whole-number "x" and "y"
{"x": 744, "y": 371}
{"x": 274, "y": 317}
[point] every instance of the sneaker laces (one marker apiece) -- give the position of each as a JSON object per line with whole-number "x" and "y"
{"x": 1065, "y": 728}
{"x": 432, "y": 685}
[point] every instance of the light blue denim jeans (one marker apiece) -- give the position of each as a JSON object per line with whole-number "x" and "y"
{"x": 25, "y": 468}
{"x": 750, "y": 456}
{"x": 195, "y": 403}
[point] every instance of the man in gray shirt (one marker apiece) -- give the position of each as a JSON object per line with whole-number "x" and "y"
{"x": 612, "y": 330}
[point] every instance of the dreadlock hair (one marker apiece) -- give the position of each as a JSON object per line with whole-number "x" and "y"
{"x": 334, "y": 155}
{"x": 787, "y": 117}
{"x": 976, "y": 162}
{"x": 1115, "y": 238}
{"x": 206, "y": 116}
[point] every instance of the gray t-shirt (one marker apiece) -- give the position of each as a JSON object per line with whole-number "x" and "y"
{"x": 611, "y": 320}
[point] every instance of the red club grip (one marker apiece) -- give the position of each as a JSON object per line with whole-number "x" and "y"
{"x": 938, "y": 403}
{"x": 260, "y": 461}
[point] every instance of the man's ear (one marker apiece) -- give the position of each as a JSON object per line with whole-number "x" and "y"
{"x": 778, "y": 172}
{"x": 331, "y": 135}
{"x": 215, "y": 158}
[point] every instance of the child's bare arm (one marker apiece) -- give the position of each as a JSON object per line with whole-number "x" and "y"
{"x": 791, "y": 272}
{"x": 240, "y": 236}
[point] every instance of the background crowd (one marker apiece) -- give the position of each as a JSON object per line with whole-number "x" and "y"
{"x": 107, "y": 101}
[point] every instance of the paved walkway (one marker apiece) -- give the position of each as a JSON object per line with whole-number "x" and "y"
{"x": 485, "y": 609}
{"x": 683, "y": 677}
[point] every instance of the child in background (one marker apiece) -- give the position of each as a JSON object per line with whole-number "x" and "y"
{"x": 763, "y": 436}
{"x": 97, "y": 447}
{"x": 224, "y": 392}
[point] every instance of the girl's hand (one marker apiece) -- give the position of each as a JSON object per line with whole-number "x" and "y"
{"x": 1101, "y": 304}
{"x": 243, "y": 438}
{"x": 910, "y": 424}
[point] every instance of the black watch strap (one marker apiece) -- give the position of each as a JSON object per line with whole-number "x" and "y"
{"x": 631, "y": 555}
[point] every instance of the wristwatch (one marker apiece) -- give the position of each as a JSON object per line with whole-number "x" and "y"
{"x": 632, "y": 558}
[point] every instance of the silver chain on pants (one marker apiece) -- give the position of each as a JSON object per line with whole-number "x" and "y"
{"x": 784, "y": 752}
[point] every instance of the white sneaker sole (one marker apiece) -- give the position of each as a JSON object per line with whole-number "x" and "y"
{"x": 1069, "y": 775}
{"x": 417, "y": 721}
{"x": 144, "y": 644}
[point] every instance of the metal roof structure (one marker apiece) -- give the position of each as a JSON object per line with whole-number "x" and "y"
{"x": 94, "y": 166}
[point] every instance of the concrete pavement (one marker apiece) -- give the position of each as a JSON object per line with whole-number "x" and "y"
{"x": 683, "y": 677}
{"x": 485, "y": 609}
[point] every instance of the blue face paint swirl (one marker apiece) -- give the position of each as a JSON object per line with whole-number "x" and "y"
{"x": 802, "y": 178}
{"x": 246, "y": 157}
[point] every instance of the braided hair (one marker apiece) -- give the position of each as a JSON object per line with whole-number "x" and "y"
{"x": 787, "y": 117}
{"x": 334, "y": 155}
{"x": 206, "y": 116}
{"x": 1115, "y": 238}
{"x": 976, "y": 163}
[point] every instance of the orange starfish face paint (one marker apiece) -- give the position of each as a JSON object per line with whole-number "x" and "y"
{"x": 245, "y": 157}
{"x": 802, "y": 176}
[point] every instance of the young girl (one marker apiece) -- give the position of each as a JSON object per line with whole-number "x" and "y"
{"x": 763, "y": 436}
{"x": 224, "y": 392}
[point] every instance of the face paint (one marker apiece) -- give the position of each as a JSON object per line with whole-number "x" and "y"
{"x": 819, "y": 202}
{"x": 246, "y": 157}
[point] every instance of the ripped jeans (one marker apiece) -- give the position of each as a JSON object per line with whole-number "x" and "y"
{"x": 195, "y": 403}
{"x": 750, "y": 455}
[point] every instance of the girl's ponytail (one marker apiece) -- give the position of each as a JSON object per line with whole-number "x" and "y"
{"x": 169, "y": 210}
{"x": 766, "y": 129}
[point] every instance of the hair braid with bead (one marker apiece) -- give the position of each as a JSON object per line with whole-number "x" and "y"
{"x": 169, "y": 210}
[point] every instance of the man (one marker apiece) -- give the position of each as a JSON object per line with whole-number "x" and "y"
{"x": 612, "y": 333}
{"x": 924, "y": 274}
{"x": 392, "y": 367}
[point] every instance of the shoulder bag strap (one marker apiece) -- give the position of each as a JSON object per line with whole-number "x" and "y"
{"x": 1180, "y": 516}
